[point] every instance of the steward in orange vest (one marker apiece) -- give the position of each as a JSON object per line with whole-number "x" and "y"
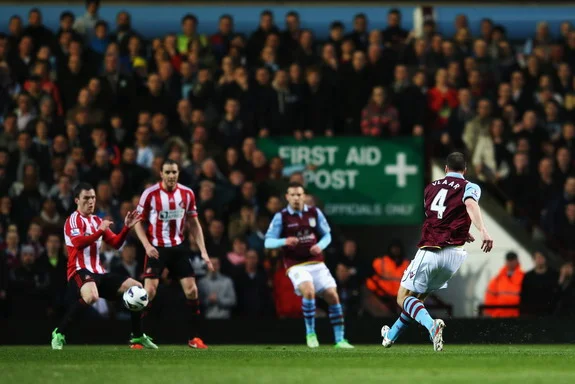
{"x": 505, "y": 288}
{"x": 388, "y": 271}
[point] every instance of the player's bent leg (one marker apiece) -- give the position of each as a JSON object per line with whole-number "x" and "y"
{"x": 193, "y": 308}
{"x": 139, "y": 339}
{"x": 88, "y": 296}
{"x": 336, "y": 317}
{"x": 129, "y": 282}
{"x": 151, "y": 286}
{"x": 391, "y": 334}
{"x": 412, "y": 304}
{"x": 89, "y": 293}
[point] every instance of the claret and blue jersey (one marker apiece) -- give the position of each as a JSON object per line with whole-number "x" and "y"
{"x": 446, "y": 220}
{"x": 308, "y": 225}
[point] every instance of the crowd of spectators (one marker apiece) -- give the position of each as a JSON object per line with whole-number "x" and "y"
{"x": 95, "y": 101}
{"x": 542, "y": 291}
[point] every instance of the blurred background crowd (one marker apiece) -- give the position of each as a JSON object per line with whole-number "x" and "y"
{"x": 95, "y": 101}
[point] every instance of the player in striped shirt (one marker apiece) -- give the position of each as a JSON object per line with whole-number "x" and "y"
{"x": 169, "y": 208}
{"x": 84, "y": 233}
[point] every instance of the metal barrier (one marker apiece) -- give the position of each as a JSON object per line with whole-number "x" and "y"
{"x": 481, "y": 308}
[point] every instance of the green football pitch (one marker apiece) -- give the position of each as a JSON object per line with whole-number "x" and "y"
{"x": 289, "y": 364}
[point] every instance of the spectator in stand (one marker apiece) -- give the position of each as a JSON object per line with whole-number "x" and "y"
{"x": 539, "y": 288}
{"x": 556, "y": 206}
{"x": 3, "y": 285}
{"x": 55, "y": 263}
{"x": 86, "y": 25}
{"x": 442, "y": 100}
{"x": 252, "y": 288}
{"x": 257, "y": 237}
{"x": 29, "y": 283}
{"x": 518, "y": 188}
{"x": 567, "y": 291}
{"x": 217, "y": 293}
{"x": 384, "y": 283}
{"x": 379, "y": 118}
{"x": 564, "y": 238}
{"x": 505, "y": 289}
{"x": 491, "y": 158}
{"x": 350, "y": 273}
{"x": 477, "y": 130}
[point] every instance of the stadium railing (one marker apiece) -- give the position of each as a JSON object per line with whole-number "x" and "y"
{"x": 481, "y": 308}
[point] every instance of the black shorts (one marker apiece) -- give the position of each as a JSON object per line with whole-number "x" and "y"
{"x": 108, "y": 284}
{"x": 177, "y": 259}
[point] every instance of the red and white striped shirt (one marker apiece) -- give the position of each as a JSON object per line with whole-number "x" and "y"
{"x": 83, "y": 241}
{"x": 166, "y": 213}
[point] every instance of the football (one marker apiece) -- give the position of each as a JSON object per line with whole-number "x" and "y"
{"x": 135, "y": 298}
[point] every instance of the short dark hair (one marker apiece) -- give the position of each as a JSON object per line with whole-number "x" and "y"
{"x": 66, "y": 14}
{"x": 511, "y": 256}
{"x": 295, "y": 184}
{"x": 293, "y": 14}
{"x": 336, "y": 25}
{"x": 191, "y": 17}
{"x": 170, "y": 162}
{"x": 101, "y": 23}
{"x": 456, "y": 162}
{"x": 52, "y": 234}
{"x": 82, "y": 187}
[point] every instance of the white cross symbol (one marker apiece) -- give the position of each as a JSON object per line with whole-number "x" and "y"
{"x": 401, "y": 169}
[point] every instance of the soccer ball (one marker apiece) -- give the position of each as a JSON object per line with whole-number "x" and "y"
{"x": 135, "y": 298}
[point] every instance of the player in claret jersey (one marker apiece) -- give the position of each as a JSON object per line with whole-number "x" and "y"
{"x": 303, "y": 233}
{"x": 169, "y": 208}
{"x": 451, "y": 205}
{"x": 84, "y": 233}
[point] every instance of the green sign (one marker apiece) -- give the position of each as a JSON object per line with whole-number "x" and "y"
{"x": 360, "y": 180}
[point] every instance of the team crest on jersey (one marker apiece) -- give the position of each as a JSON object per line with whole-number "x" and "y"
{"x": 312, "y": 222}
{"x": 75, "y": 232}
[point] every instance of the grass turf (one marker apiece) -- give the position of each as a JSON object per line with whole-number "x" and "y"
{"x": 289, "y": 364}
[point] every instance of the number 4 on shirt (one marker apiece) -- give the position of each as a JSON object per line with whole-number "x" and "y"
{"x": 438, "y": 203}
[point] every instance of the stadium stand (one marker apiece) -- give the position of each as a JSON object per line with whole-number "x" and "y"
{"x": 96, "y": 101}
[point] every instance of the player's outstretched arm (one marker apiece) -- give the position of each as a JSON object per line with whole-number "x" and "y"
{"x": 474, "y": 213}
{"x": 198, "y": 234}
{"x": 272, "y": 239}
{"x": 117, "y": 240}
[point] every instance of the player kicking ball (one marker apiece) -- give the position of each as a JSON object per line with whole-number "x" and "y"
{"x": 296, "y": 229}
{"x": 451, "y": 205}
{"x": 84, "y": 233}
